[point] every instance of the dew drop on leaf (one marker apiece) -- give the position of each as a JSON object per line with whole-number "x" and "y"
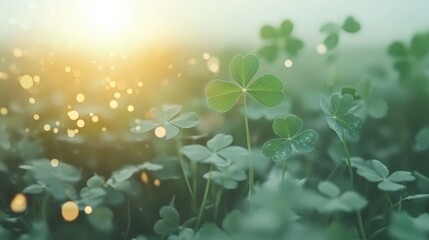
{"x": 18, "y": 203}
{"x": 69, "y": 211}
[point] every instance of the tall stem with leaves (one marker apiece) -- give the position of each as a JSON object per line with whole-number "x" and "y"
{"x": 249, "y": 146}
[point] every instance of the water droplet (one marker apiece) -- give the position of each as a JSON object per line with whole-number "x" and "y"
{"x": 18, "y": 203}
{"x": 69, "y": 211}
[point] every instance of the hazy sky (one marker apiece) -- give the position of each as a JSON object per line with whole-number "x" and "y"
{"x": 218, "y": 22}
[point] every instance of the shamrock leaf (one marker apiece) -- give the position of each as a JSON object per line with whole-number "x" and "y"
{"x": 184, "y": 234}
{"x": 278, "y": 39}
{"x": 170, "y": 221}
{"x": 291, "y": 138}
{"x": 375, "y": 171}
{"x": 101, "y": 219}
{"x": 333, "y": 31}
{"x": 227, "y": 177}
{"x": 223, "y": 95}
{"x": 404, "y": 227}
{"x": 422, "y": 139}
{"x": 168, "y": 120}
{"x": 218, "y": 151}
{"x": 346, "y": 202}
{"x": 57, "y": 180}
{"x": 338, "y": 114}
{"x": 350, "y": 25}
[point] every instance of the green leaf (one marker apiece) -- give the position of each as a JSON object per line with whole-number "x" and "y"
{"x": 387, "y": 185}
{"x": 267, "y": 90}
{"x": 380, "y": 168}
{"x": 331, "y": 41}
{"x": 329, "y": 189}
{"x": 269, "y": 52}
{"x": 186, "y": 120}
{"x": 420, "y": 45}
{"x": 397, "y": 49}
{"x": 403, "y": 227}
{"x": 330, "y": 28}
{"x": 220, "y": 141}
{"x": 422, "y": 139}
{"x": 227, "y": 177}
{"x": 209, "y": 231}
{"x": 287, "y": 127}
{"x": 142, "y": 126}
{"x": 353, "y": 200}
{"x": 293, "y": 45}
{"x": 377, "y": 109}
{"x": 243, "y": 69}
{"x": 286, "y": 28}
{"x": 403, "y": 67}
{"x": 166, "y": 112}
{"x": 222, "y": 95}
{"x": 351, "y": 25}
{"x": 33, "y": 189}
{"x": 268, "y": 31}
{"x": 231, "y": 223}
{"x": 196, "y": 152}
{"x": 101, "y": 219}
{"x": 169, "y": 222}
{"x": 416, "y": 197}
{"x": 339, "y": 117}
{"x": 364, "y": 88}
{"x": 95, "y": 181}
{"x": 401, "y": 176}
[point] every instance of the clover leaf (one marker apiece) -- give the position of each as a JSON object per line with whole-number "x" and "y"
{"x": 227, "y": 177}
{"x": 57, "y": 180}
{"x": 404, "y": 227}
{"x": 375, "y": 171}
{"x": 333, "y": 31}
{"x": 169, "y": 223}
{"x": 218, "y": 151}
{"x": 291, "y": 139}
{"x": 347, "y": 202}
{"x": 223, "y": 95}
{"x": 338, "y": 114}
{"x": 169, "y": 118}
{"x": 278, "y": 39}
{"x": 422, "y": 139}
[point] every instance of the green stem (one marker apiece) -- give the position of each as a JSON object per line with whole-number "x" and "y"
{"x": 400, "y": 201}
{"x": 182, "y": 166}
{"x": 377, "y": 233}
{"x": 203, "y": 203}
{"x": 390, "y": 200}
{"x": 128, "y": 219}
{"x": 249, "y": 146}
{"x": 349, "y": 163}
{"x": 194, "y": 177}
{"x": 284, "y": 170}
{"x": 361, "y": 228}
{"x": 218, "y": 199}
{"x": 44, "y": 204}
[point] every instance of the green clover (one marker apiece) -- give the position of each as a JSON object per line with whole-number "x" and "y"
{"x": 291, "y": 138}
{"x": 333, "y": 31}
{"x": 168, "y": 120}
{"x": 218, "y": 151}
{"x": 227, "y": 177}
{"x": 347, "y": 202}
{"x": 338, "y": 114}
{"x": 223, "y": 95}
{"x": 375, "y": 171}
{"x": 278, "y": 39}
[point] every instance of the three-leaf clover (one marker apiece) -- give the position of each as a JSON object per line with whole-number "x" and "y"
{"x": 405, "y": 56}
{"x": 291, "y": 138}
{"x": 227, "y": 177}
{"x": 335, "y": 202}
{"x": 169, "y": 223}
{"x": 333, "y": 30}
{"x": 375, "y": 171}
{"x": 278, "y": 39}
{"x": 218, "y": 151}
{"x": 223, "y": 95}
{"x": 338, "y": 114}
{"x": 168, "y": 120}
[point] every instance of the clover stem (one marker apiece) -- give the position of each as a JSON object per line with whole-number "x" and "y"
{"x": 45, "y": 202}
{"x": 206, "y": 193}
{"x": 390, "y": 200}
{"x": 182, "y": 166}
{"x": 249, "y": 146}
{"x": 400, "y": 201}
{"x": 128, "y": 219}
{"x": 194, "y": 177}
{"x": 218, "y": 199}
{"x": 284, "y": 170}
{"x": 349, "y": 163}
